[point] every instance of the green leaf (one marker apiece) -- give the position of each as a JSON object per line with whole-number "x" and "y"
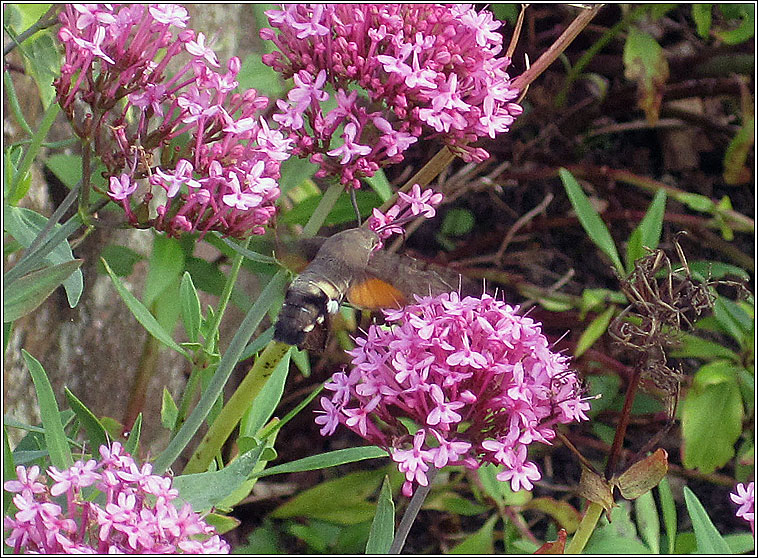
{"x": 717, "y": 270}
{"x": 590, "y": 220}
{"x": 166, "y": 264}
{"x": 132, "y": 441}
{"x": 383, "y": 526}
{"x": 457, "y": 222}
{"x": 266, "y": 402}
{"x": 20, "y": 182}
{"x": 594, "y": 331}
{"x": 648, "y": 524}
{"x": 709, "y": 541}
{"x": 254, "y": 74}
{"x": 617, "y": 537}
{"x": 120, "y": 258}
{"x": 692, "y": 346}
{"x": 55, "y": 437}
{"x": 648, "y": 232}
{"x": 328, "y": 459}
{"x": 697, "y": 202}
{"x": 668, "y": 509}
{"x": 645, "y": 64}
{"x": 25, "y": 294}
{"x": 746, "y": 26}
{"x": 380, "y": 185}
{"x": 24, "y": 225}
{"x": 169, "y": 411}
{"x": 712, "y": 417}
{"x": 96, "y": 434}
{"x": 342, "y": 212}
{"x": 143, "y": 315}
{"x": 737, "y": 152}
{"x": 190, "y": 304}
{"x": 481, "y": 542}
{"x": 204, "y": 490}
{"x": 341, "y": 501}
{"x": 67, "y": 168}
{"x": 701, "y": 13}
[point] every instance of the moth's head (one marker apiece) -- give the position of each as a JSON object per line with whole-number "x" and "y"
{"x": 354, "y": 246}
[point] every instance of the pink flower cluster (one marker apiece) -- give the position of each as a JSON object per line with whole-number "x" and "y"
{"x": 478, "y": 380}
{"x": 217, "y": 160}
{"x": 744, "y": 497}
{"x": 426, "y": 71}
{"x": 135, "y": 514}
{"x": 408, "y": 207}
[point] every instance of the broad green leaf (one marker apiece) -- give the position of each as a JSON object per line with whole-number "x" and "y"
{"x": 191, "y": 312}
{"x": 169, "y": 411}
{"x": 451, "y": 502}
{"x": 481, "y": 542}
{"x": 55, "y": 437}
{"x": 166, "y": 265}
{"x": 328, "y": 459}
{"x": 590, "y": 220}
{"x": 120, "y": 258}
{"x": 712, "y": 416}
{"x": 96, "y": 434}
{"x": 383, "y": 527}
{"x": 594, "y": 331}
{"x": 709, "y": 541}
{"x": 25, "y": 294}
{"x": 222, "y": 523}
{"x": 143, "y": 315}
{"x": 648, "y": 232}
{"x": 67, "y": 168}
{"x": 204, "y": 490}
{"x": 42, "y": 61}
{"x": 341, "y": 501}
{"x": 24, "y": 225}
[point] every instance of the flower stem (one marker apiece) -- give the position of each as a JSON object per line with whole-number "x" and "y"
{"x": 585, "y": 530}
{"x": 410, "y": 514}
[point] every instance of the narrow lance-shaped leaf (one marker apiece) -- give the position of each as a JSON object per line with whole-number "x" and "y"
{"x": 590, "y": 220}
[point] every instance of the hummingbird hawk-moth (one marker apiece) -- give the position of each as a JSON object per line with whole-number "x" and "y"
{"x": 348, "y": 265}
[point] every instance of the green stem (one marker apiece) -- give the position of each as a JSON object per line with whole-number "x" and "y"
{"x": 223, "y": 300}
{"x": 410, "y": 514}
{"x": 319, "y": 215}
{"x": 236, "y": 407}
{"x": 225, "y": 368}
{"x": 14, "y": 193}
{"x": 210, "y": 340}
{"x": 585, "y": 530}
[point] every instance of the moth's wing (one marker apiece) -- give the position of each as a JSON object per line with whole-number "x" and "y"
{"x": 368, "y": 292}
{"x": 410, "y": 276}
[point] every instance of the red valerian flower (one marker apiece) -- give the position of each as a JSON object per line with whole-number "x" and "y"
{"x": 478, "y": 380}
